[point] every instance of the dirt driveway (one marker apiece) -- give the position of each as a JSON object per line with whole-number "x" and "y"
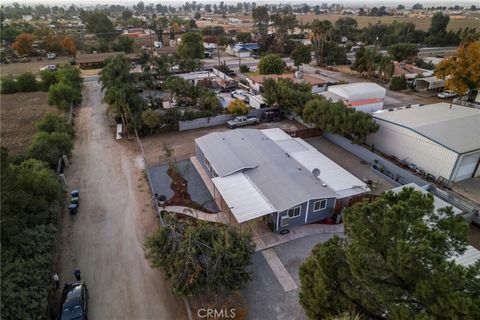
{"x": 105, "y": 238}
{"x": 182, "y": 143}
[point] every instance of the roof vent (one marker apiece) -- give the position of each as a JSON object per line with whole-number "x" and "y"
{"x": 324, "y": 184}
{"x": 316, "y": 172}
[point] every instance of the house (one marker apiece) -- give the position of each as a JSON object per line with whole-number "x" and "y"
{"x": 242, "y": 50}
{"x": 410, "y": 71}
{"x": 97, "y": 60}
{"x": 441, "y": 138}
{"x": 266, "y": 174}
{"x": 317, "y": 82}
{"x": 362, "y": 96}
{"x": 428, "y": 84}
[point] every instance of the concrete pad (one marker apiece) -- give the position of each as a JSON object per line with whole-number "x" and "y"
{"x": 283, "y": 277}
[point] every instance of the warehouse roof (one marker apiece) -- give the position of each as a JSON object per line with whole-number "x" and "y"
{"x": 454, "y": 127}
{"x": 358, "y": 91}
{"x": 267, "y": 159}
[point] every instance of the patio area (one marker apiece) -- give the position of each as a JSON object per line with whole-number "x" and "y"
{"x": 196, "y": 188}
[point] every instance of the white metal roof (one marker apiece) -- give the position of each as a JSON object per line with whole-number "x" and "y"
{"x": 334, "y": 176}
{"x": 469, "y": 257}
{"x": 276, "y": 134}
{"x": 358, "y": 91}
{"x": 452, "y": 126}
{"x": 241, "y": 196}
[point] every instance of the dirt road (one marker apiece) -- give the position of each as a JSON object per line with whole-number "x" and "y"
{"x": 105, "y": 238}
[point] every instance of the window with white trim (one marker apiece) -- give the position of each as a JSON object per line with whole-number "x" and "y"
{"x": 207, "y": 163}
{"x": 294, "y": 212}
{"x": 284, "y": 221}
{"x": 319, "y": 205}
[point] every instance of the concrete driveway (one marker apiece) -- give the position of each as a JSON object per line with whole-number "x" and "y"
{"x": 105, "y": 238}
{"x": 273, "y": 293}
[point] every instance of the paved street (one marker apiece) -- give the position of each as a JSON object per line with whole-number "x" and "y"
{"x": 105, "y": 238}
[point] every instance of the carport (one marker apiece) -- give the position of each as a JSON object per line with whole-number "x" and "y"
{"x": 428, "y": 84}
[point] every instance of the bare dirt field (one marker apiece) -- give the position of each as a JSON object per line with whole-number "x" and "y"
{"x": 19, "y": 113}
{"x": 420, "y": 23}
{"x": 33, "y": 66}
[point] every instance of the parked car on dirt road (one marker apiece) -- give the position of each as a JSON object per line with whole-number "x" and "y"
{"x": 50, "y": 67}
{"x": 74, "y": 303}
{"x": 51, "y": 55}
{"x": 74, "y": 201}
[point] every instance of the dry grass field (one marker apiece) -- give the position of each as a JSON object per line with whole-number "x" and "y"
{"x": 33, "y": 66}
{"x": 18, "y": 114}
{"x": 421, "y": 23}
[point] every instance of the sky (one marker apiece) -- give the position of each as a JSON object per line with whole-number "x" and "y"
{"x": 353, "y": 3}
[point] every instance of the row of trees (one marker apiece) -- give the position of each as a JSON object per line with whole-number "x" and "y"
{"x": 335, "y": 117}
{"x": 31, "y": 199}
{"x": 24, "y": 42}
{"x": 395, "y": 262}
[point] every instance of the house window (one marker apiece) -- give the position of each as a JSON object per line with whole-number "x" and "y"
{"x": 207, "y": 163}
{"x": 294, "y": 212}
{"x": 284, "y": 221}
{"x": 319, "y": 205}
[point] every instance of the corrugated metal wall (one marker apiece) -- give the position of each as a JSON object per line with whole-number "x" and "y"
{"x": 404, "y": 143}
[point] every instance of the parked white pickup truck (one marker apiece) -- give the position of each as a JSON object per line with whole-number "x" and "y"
{"x": 241, "y": 121}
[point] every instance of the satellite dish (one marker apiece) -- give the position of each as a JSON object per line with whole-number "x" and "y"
{"x": 316, "y": 172}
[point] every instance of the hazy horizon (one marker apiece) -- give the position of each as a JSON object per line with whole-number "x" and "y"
{"x": 350, "y": 3}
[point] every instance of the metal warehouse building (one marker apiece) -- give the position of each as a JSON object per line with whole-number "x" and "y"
{"x": 441, "y": 138}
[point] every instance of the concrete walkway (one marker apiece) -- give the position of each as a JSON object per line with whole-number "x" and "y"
{"x": 272, "y": 239}
{"x": 281, "y": 273}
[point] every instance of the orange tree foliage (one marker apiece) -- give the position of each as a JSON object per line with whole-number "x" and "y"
{"x": 237, "y": 107}
{"x": 52, "y": 43}
{"x": 23, "y": 43}
{"x": 463, "y": 71}
{"x": 69, "y": 44}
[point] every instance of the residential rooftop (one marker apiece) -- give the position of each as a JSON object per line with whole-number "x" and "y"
{"x": 272, "y": 171}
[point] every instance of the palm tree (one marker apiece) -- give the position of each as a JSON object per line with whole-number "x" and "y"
{"x": 320, "y": 31}
{"x": 367, "y": 61}
{"x": 386, "y": 67}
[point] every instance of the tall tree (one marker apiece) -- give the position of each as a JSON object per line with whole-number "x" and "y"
{"x": 320, "y": 31}
{"x": 99, "y": 24}
{"x": 462, "y": 72}
{"x": 366, "y": 61}
{"x": 283, "y": 23}
{"x": 261, "y": 20}
{"x": 386, "y": 67}
{"x": 23, "y": 43}
{"x": 301, "y": 54}
{"x": 394, "y": 263}
{"x": 68, "y": 43}
{"x": 403, "y": 51}
{"x": 190, "y": 51}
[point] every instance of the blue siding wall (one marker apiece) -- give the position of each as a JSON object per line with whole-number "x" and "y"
{"x": 314, "y": 216}
{"x": 300, "y": 220}
{"x": 201, "y": 159}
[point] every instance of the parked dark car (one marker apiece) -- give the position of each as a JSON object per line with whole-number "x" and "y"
{"x": 273, "y": 115}
{"x": 74, "y": 304}
{"x": 74, "y": 201}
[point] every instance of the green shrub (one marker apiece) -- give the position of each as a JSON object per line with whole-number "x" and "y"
{"x": 9, "y": 85}
{"x": 70, "y": 75}
{"x": 237, "y": 107}
{"x": 398, "y": 83}
{"x": 62, "y": 95}
{"x": 244, "y": 68}
{"x": 47, "y": 79}
{"x": 52, "y": 122}
{"x": 271, "y": 64}
{"x": 26, "y": 82}
{"x": 49, "y": 147}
